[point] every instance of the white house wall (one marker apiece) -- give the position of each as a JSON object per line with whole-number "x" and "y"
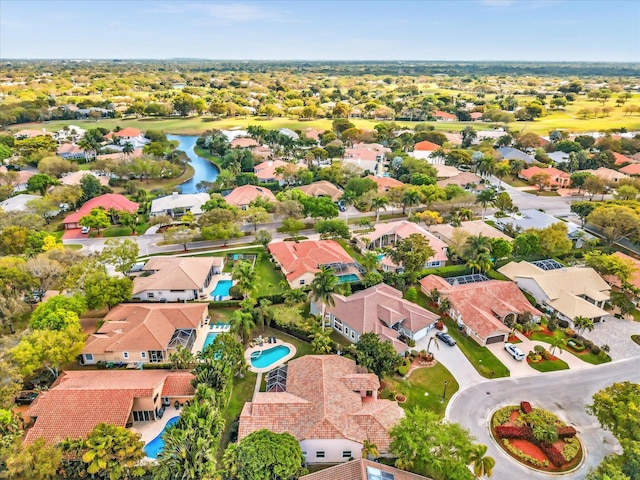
{"x": 170, "y": 296}
{"x": 530, "y": 286}
{"x": 333, "y": 450}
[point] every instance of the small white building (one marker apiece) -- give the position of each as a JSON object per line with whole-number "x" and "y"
{"x": 178, "y": 204}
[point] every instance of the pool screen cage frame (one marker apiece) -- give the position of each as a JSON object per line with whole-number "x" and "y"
{"x": 277, "y": 379}
{"x": 184, "y": 337}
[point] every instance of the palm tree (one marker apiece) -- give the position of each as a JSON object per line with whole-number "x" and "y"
{"x": 465, "y": 214}
{"x": 502, "y": 170}
{"x": 486, "y": 198}
{"x": 444, "y": 305}
{"x": 243, "y": 274}
{"x": 410, "y": 197}
{"x": 294, "y": 296}
{"x": 321, "y": 342}
{"x": 127, "y": 148}
{"x": 516, "y": 166}
{"x": 263, "y": 313}
{"x": 322, "y": 288}
{"x": 378, "y": 203}
{"x": 558, "y": 343}
{"x": 545, "y": 433}
{"x": 487, "y": 166}
{"x": 476, "y": 244}
{"x": 582, "y": 324}
{"x": 484, "y": 262}
{"x": 348, "y": 198}
{"x": 369, "y": 260}
{"x": 481, "y": 463}
{"x": 241, "y": 324}
{"x": 370, "y": 450}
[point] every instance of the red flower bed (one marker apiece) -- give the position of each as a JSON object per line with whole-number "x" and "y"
{"x": 525, "y": 446}
{"x": 525, "y": 407}
{"x": 509, "y": 431}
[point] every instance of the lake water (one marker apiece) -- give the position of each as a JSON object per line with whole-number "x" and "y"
{"x": 204, "y": 169}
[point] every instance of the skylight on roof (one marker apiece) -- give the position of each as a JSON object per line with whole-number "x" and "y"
{"x": 465, "y": 279}
{"x": 377, "y": 474}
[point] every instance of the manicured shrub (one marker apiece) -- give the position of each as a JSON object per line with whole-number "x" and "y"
{"x": 502, "y": 415}
{"x": 571, "y": 449}
{"x": 525, "y": 407}
{"x": 507, "y": 431}
{"x": 403, "y": 370}
{"x": 539, "y": 349}
{"x": 566, "y": 432}
{"x": 595, "y": 349}
{"x": 553, "y": 454}
{"x": 576, "y": 345}
{"x": 563, "y": 323}
{"x": 571, "y": 332}
{"x": 552, "y": 326}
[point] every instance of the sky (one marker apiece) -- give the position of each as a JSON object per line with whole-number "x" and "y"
{"x": 473, "y": 30}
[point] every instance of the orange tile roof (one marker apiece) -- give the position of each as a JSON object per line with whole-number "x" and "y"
{"x": 80, "y": 400}
{"x": 319, "y": 405}
{"x": 635, "y": 276}
{"x": 479, "y": 303}
{"x": 323, "y": 188}
{"x": 441, "y": 114}
{"x": 357, "y": 470}
{"x": 554, "y": 174}
{"x": 243, "y": 142}
{"x": 296, "y": 259}
{"x": 107, "y": 201}
{"x": 385, "y": 183}
{"x": 267, "y": 170}
{"x": 246, "y": 194}
{"x": 427, "y": 146}
{"x": 128, "y": 132}
{"x": 620, "y": 159}
{"x": 631, "y": 169}
{"x": 376, "y": 309}
{"x": 178, "y": 384}
{"x": 143, "y": 327}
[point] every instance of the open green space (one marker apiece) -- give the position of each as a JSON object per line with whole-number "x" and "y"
{"x": 115, "y": 231}
{"x": 549, "y": 365}
{"x": 544, "y": 193}
{"x": 423, "y": 388}
{"x": 515, "y": 182}
{"x": 586, "y": 355}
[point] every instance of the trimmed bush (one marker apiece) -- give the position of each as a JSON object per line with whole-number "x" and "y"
{"x": 571, "y": 449}
{"x": 525, "y": 407}
{"x": 563, "y": 323}
{"x": 575, "y": 345}
{"x": 570, "y": 332}
{"x": 566, "y": 432}
{"x": 520, "y": 433}
{"x": 595, "y": 349}
{"x": 502, "y": 415}
{"x": 553, "y": 454}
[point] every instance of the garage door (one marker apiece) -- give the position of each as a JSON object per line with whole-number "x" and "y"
{"x": 495, "y": 339}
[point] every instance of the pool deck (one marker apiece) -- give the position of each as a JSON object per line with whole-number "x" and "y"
{"x": 266, "y": 346}
{"x": 150, "y": 430}
{"x": 203, "y": 331}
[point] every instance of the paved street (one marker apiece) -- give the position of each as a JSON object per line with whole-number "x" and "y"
{"x": 565, "y": 393}
{"x": 559, "y": 206}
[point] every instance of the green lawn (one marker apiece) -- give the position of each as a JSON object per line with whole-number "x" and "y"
{"x": 242, "y": 392}
{"x": 485, "y": 362}
{"x": 269, "y": 277}
{"x": 350, "y": 250}
{"x": 423, "y": 388}
{"x": 636, "y": 338}
{"x": 545, "y": 193}
{"x": 515, "y": 182}
{"x": 587, "y": 357}
{"x": 205, "y": 153}
{"x": 73, "y": 246}
{"x": 115, "y": 231}
{"x": 549, "y": 365}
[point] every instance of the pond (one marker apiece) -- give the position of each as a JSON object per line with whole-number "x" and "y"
{"x": 204, "y": 169}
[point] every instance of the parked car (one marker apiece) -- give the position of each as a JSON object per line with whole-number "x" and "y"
{"x": 85, "y": 229}
{"x": 514, "y": 351}
{"x": 26, "y": 398}
{"x": 446, "y": 338}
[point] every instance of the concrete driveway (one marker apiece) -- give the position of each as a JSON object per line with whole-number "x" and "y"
{"x": 616, "y": 333}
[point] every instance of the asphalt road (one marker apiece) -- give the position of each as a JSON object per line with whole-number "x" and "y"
{"x": 564, "y": 393}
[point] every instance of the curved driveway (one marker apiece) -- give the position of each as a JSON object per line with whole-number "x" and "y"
{"x": 565, "y": 393}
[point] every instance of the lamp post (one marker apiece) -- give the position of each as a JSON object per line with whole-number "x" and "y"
{"x": 444, "y": 392}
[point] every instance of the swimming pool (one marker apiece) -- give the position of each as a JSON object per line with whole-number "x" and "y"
{"x": 211, "y": 336}
{"x": 155, "y": 446}
{"x": 270, "y": 356}
{"x": 349, "y": 278}
{"x": 222, "y": 288}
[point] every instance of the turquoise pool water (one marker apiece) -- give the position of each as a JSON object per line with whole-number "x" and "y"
{"x": 270, "y": 356}
{"x": 155, "y": 446}
{"x": 222, "y": 288}
{"x": 350, "y": 278}
{"x": 211, "y": 336}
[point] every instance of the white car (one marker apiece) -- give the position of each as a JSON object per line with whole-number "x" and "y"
{"x": 85, "y": 229}
{"x": 514, "y": 351}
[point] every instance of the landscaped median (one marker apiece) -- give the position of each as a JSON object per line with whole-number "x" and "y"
{"x": 572, "y": 343}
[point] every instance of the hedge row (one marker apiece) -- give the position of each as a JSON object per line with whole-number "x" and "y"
{"x": 553, "y": 454}
{"x": 520, "y": 433}
{"x": 566, "y": 432}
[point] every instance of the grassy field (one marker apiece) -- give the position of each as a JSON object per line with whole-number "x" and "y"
{"x": 544, "y": 193}
{"x": 549, "y": 365}
{"x": 423, "y": 388}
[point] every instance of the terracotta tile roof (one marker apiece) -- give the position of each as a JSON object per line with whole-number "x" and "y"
{"x": 80, "y": 400}
{"x": 69, "y": 148}
{"x": 631, "y": 169}
{"x": 175, "y": 273}
{"x": 446, "y": 171}
{"x": 462, "y": 179}
{"x": 243, "y": 143}
{"x": 557, "y": 177}
{"x": 607, "y": 174}
{"x": 128, "y": 132}
{"x": 323, "y": 188}
{"x": 296, "y": 259}
{"x": 266, "y": 170}
{"x": 635, "y": 276}
{"x": 377, "y": 309}
{"x": 178, "y": 384}
{"x": 107, "y": 201}
{"x": 476, "y": 115}
{"x": 479, "y": 303}
{"x": 385, "y": 183}
{"x": 313, "y": 134}
{"x": 426, "y": 146}
{"x": 74, "y": 178}
{"x": 246, "y": 194}
{"x": 620, "y": 159}
{"x": 32, "y": 133}
{"x": 319, "y": 405}
{"x": 447, "y": 115}
{"x": 357, "y": 470}
{"x": 143, "y": 327}
{"x": 23, "y": 175}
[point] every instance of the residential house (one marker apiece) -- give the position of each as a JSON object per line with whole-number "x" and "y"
{"x": 559, "y": 157}
{"x": 441, "y": 116}
{"x": 476, "y": 116}
{"x": 362, "y": 469}
{"x": 177, "y": 204}
{"x": 18, "y": 203}
{"x": 323, "y": 188}
{"x": 70, "y": 133}
{"x": 244, "y": 142}
{"x": 289, "y": 133}
{"x": 21, "y": 178}
{"x": 488, "y": 135}
{"x": 635, "y": 157}
{"x": 445, "y": 171}
{"x": 510, "y": 153}
{"x": 328, "y": 403}
{"x": 425, "y": 150}
{"x": 570, "y": 291}
{"x": 21, "y": 134}
{"x": 387, "y": 234}
{"x": 633, "y": 169}
{"x": 634, "y": 280}
{"x": 71, "y": 151}
{"x": 621, "y": 159}
{"x": 607, "y": 174}
{"x": 385, "y": 183}
{"x": 242, "y": 197}
{"x": 379, "y": 309}
{"x": 137, "y": 153}
{"x": 454, "y": 138}
{"x": 129, "y": 134}
{"x": 176, "y": 279}
{"x": 266, "y": 171}
{"x": 74, "y": 178}
{"x": 146, "y": 332}
{"x": 80, "y": 400}
{"x": 480, "y": 306}
{"x": 447, "y": 232}
{"x": 557, "y": 178}
{"x": 313, "y": 134}
{"x": 367, "y": 156}
{"x": 301, "y": 261}
{"x": 526, "y": 219}
{"x": 467, "y": 180}
{"x": 108, "y": 201}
